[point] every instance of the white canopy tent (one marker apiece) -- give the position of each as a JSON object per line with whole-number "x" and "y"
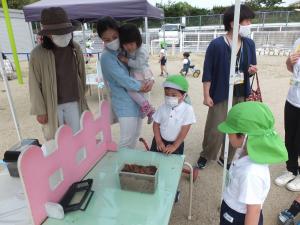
{"x": 231, "y": 83}
{"x": 9, "y": 97}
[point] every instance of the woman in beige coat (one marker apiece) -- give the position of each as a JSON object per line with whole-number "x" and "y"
{"x": 57, "y": 75}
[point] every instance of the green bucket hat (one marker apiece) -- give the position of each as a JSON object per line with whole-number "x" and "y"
{"x": 177, "y": 82}
{"x": 163, "y": 44}
{"x": 255, "y": 119}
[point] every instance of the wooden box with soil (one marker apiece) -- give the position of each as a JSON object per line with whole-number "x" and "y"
{"x": 139, "y": 178}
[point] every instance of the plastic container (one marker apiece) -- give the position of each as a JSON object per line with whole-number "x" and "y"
{"x": 138, "y": 182}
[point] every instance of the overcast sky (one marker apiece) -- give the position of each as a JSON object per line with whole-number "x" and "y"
{"x": 208, "y": 3}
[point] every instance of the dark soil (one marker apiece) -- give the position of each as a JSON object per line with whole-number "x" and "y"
{"x": 133, "y": 168}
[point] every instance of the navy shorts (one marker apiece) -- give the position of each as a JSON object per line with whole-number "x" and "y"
{"x": 163, "y": 61}
{"x": 179, "y": 150}
{"x": 229, "y": 216}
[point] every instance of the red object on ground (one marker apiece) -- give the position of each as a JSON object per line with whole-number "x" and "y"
{"x": 195, "y": 172}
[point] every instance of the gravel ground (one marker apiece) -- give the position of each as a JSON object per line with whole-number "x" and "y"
{"x": 274, "y": 80}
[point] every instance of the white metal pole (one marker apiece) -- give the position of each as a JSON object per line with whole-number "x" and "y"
{"x": 10, "y": 101}
{"x": 31, "y": 34}
{"x": 151, "y": 48}
{"x": 164, "y": 32}
{"x": 181, "y": 41}
{"x": 198, "y": 41}
{"x": 84, "y": 38}
{"x": 231, "y": 79}
{"x": 147, "y": 34}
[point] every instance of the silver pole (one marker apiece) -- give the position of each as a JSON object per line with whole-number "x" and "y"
{"x": 84, "y": 38}
{"x": 147, "y": 34}
{"x": 164, "y": 31}
{"x": 31, "y": 34}
{"x": 10, "y": 101}
{"x": 181, "y": 41}
{"x": 231, "y": 80}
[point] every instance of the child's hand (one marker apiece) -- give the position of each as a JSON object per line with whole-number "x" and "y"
{"x": 42, "y": 119}
{"x": 170, "y": 149}
{"x": 160, "y": 146}
{"x": 123, "y": 59}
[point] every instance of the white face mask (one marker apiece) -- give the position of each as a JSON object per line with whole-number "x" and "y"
{"x": 62, "y": 40}
{"x": 113, "y": 45}
{"x": 171, "y": 101}
{"x": 245, "y": 31}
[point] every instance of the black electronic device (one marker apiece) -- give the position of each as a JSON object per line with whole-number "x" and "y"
{"x": 78, "y": 196}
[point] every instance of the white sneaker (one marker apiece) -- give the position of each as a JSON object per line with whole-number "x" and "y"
{"x": 283, "y": 179}
{"x": 294, "y": 185}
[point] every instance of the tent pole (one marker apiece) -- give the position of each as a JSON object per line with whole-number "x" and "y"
{"x": 31, "y": 34}
{"x": 164, "y": 32}
{"x": 10, "y": 101}
{"x": 181, "y": 41}
{"x": 147, "y": 34}
{"x": 231, "y": 80}
{"x": 84, "y": 37}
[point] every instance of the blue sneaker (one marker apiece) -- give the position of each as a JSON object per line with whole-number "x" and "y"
{"x": 285, "y": 218}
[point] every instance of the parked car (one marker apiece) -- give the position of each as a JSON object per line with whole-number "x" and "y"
{"x": 170, "y": 33}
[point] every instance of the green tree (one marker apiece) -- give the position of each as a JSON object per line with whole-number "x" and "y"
{"x": 267, "y": 4}
{"x": 177, "y": 9}
{"x": 18, "y": 4}
{"x": 218, "y": 9}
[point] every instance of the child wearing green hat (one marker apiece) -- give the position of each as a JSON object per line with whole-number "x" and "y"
{"x": 250, "y": 126}
{"x": 173, "y": 119}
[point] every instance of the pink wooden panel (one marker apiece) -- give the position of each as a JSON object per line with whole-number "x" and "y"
{"x": 35, "y": 169}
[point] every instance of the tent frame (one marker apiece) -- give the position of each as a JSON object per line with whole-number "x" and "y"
{"x": 231, "y": 81}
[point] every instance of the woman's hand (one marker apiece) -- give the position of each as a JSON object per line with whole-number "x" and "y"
{"x": 42, "y": 119}
{"x": 252, "y": 69}
{"x": 123, "y": 59}
{"x": 294, "y": 58}
{"x": 208, "y": 101}
{"x": 147, "y": 86}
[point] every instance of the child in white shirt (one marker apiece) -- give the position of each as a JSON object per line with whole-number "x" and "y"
{"x": 291, "y": 177}
{"x": 186, "y": 64}
{"x": 163, "y": 60}
{"x": 250, "y": 126}
{"x": 136, "y": 57}
{"x": 173, "y": 119}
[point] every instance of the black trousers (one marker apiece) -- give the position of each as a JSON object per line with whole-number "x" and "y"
{"x": 292, "y": 136}
{"x": 229, "y": 216}
{"x": 179, "y": 150}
